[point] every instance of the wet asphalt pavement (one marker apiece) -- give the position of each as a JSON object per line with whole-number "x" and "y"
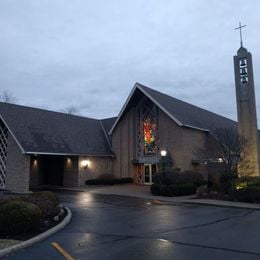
{"x": 118, "y": 227}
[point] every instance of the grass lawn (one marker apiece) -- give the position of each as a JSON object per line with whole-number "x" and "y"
{"x": 8, "y": 242}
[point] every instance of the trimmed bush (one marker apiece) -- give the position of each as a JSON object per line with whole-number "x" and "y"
{"x": 155, "y": 189}
{"x": 176, "y": 177}
{"x": 250, "y": 194}
{"x": 18, "y": 217}
{"x": 47, "y": 201}
{"x": 109, "y": 181}
{"x": 173, "y": 189}
{"x": 167, "y": 190}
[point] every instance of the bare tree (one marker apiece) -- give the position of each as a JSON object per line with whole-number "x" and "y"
{"x": 224, "y": 150}
{"x": 230, "y": 146}
{"x": 7, "y": 97}
{"x": 71, "y": 110}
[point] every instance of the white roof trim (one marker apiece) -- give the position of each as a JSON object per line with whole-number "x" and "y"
{"x": 128, "y": 99}
{"x": 70, "y": 154}
{"x": 178, "y": 122}
{"x": 198, "y": 128}
{"x": 105, "y": 133}
{"x": 12, "y": 134}
{"x": 123, "y": 108}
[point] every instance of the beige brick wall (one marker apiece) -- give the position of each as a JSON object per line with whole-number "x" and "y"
{"x": 18, "y": 168}
{"x": 181, "y": 142}
{"x": 123, "y": 145}
{"x": 70, "y": 172}
{"x": 97, "y": 166}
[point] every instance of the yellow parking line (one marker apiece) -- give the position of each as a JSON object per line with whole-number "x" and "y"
{"x": 62, "y": 251}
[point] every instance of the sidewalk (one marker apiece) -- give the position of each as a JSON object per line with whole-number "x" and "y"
{"x": 140, "y": 191}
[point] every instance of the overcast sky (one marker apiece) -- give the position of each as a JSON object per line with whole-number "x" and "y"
{"x": 57, "y": 53}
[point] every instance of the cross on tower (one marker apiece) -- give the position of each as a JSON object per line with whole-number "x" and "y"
{"x": 240, "y": 29}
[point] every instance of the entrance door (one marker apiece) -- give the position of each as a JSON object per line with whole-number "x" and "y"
{"x": 149, "y": 171}
{"x": 52, "y": 170}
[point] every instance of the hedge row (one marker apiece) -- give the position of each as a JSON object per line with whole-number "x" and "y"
{"x": 249, "y": 194}
{"x": 176, "y": 177}
{"x": 106, "y": 181}
{"x": 173, "y": 189}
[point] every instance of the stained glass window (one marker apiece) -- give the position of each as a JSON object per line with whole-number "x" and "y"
{"x": 147, "y": 129}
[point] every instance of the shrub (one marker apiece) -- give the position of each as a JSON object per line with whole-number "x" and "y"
{"x": 127, "y": 180}
{"x": 225, "y": 183}
{"x": 167, "y": 190}
{"x": 183, "y": 189}
{"x": 248, "y": 181}
{"x": 47, "y": 201}
{"x": 17, "y": 217}
{"x": 248, "y": 194}
{"x": 109, "y": 181}
{"x": 173, "y": 189}
{"x": 155, "y": 189}
{"x": 176, "y": 177}
{"x": 106, "y": 176}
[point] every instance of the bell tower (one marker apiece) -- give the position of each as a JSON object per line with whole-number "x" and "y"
{"x": 246, "y": 110}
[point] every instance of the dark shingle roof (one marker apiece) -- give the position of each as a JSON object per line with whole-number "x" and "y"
{"x": 190, "y": 115}
{"x": 42, "y": 131}
{"x": 181, "y": 112}
{"x": 108, "y": 123}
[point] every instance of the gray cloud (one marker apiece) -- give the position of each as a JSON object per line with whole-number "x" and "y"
{"x": 90, "y": 53}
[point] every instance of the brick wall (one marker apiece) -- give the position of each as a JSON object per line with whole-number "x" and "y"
{"x": 123, "y": 145}
{"x": 97, "y": 166}
{"x": 182, "y": 143}
{"x": 71, "y": 173}
{"x": 18, "y": 168}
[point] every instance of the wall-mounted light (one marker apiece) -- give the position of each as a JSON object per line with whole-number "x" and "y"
{"x": 85, "y": 164}
{"x": 34, "y": 160}
{"x": 163, "y": 152}
{"x": 68, "y": 162}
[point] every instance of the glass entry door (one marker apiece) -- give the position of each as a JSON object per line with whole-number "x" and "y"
{"x": 149, "y": 171}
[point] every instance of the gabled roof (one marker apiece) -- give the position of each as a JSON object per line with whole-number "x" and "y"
{"x": 41, "y": 131}
{"x": 184, "y": 114}
{"x": 108, "y": 123}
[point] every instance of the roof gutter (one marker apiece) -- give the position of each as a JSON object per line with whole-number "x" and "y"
{"x": 69, "y": 154}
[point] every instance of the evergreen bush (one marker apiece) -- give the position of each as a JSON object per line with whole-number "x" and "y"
{"x": 47, "y": 201}
{"x": 173, "y": 189}
{"x": 108, "y": 181}
{"x": 18, "y": 217}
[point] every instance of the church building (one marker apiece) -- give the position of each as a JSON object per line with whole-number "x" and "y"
{"x": 40, "y": 147}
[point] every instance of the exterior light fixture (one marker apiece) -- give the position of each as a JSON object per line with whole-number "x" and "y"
{"x": 85, "y": 164}
{"x": 68, "y": 160}
{"x": 163, "y": 153}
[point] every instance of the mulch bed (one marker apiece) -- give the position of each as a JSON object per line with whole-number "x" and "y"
{"x": 43, "y": 227}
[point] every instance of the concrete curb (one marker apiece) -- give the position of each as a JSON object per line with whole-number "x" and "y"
{"x": 182, "y": 200}
{"x": 234, "y": 205}
{"x": 38, "y": 238}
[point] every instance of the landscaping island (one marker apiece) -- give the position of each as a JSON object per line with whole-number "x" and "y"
{"x": 25, "y": 216}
